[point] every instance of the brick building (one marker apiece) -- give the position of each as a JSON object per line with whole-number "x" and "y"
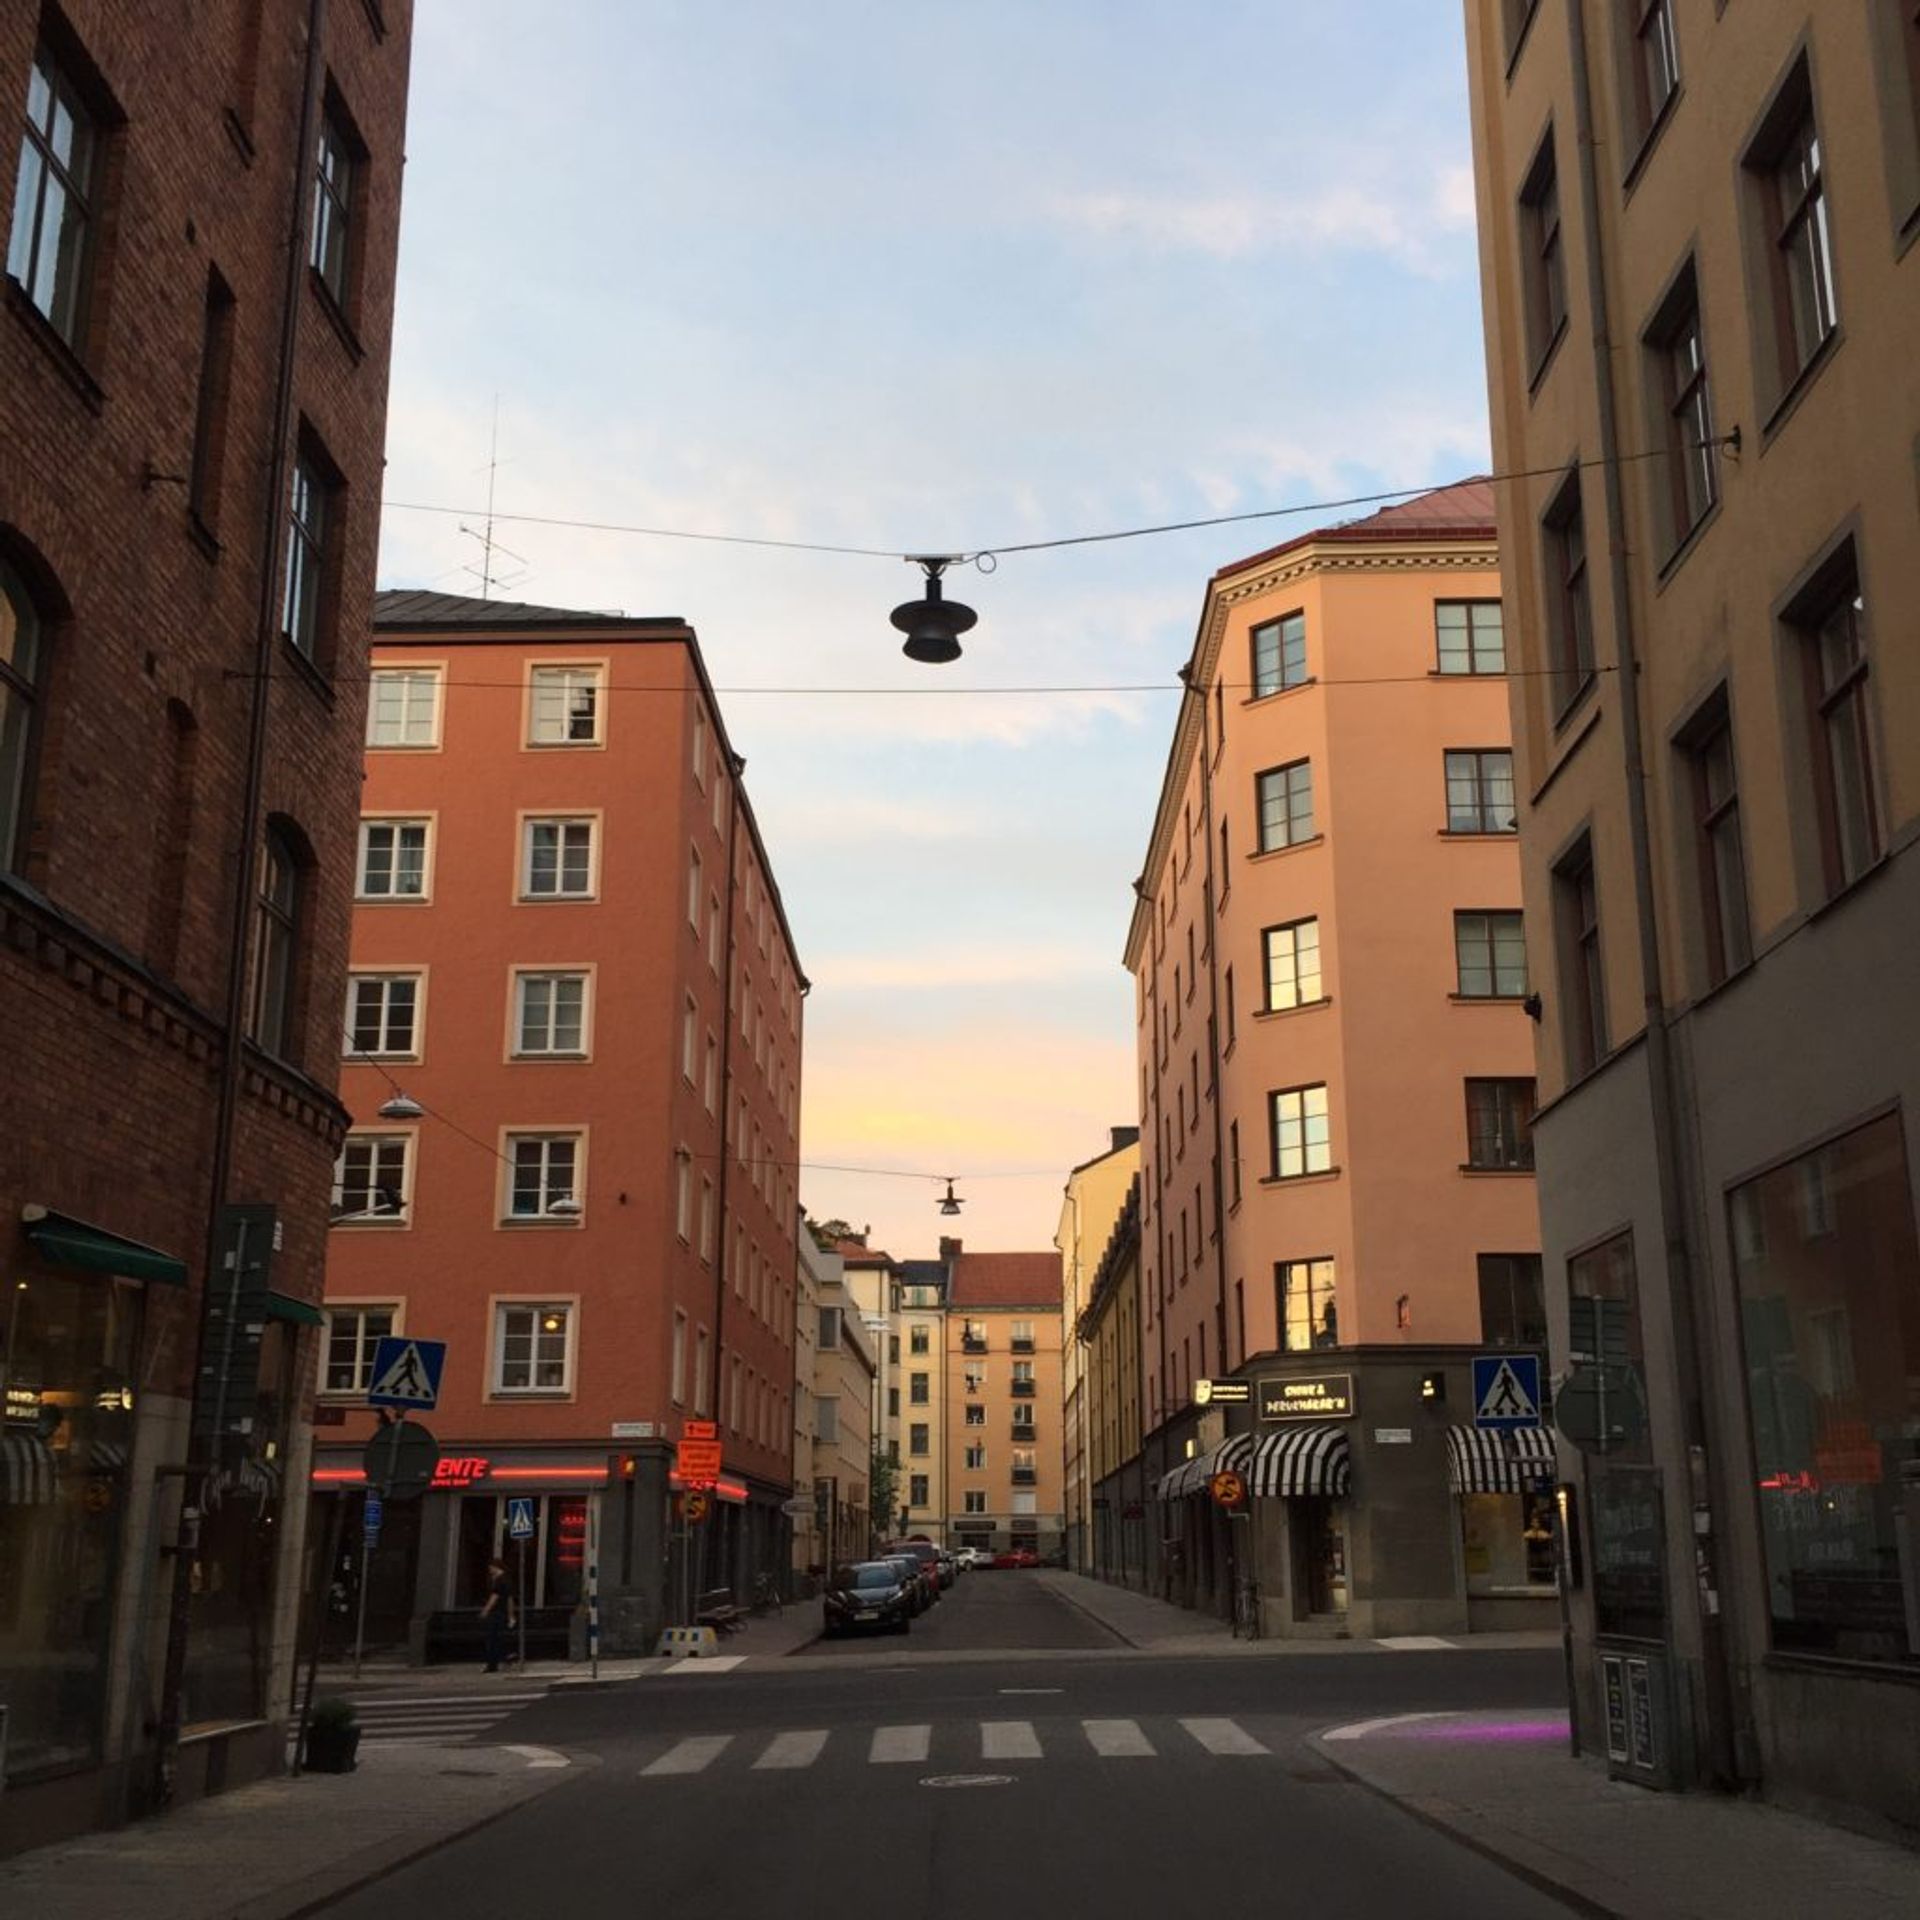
{"x": 569, "y": 949}
{"x": 193, "y": 370}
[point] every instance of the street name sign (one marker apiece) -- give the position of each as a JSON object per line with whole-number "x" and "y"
{"x": 406, "y": 1373}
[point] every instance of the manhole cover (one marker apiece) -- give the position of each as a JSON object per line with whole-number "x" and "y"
{"x": 968, "y": 1780}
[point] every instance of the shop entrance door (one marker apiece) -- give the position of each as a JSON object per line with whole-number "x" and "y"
{"x": 555, "y": 1558}
{"x": 1320, "y": 1526}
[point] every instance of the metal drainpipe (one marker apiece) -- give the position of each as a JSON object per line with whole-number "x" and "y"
{"x": 1668, "y": 1105}
{"x": 273, "y": 527}
{"x": 734, "y": 767}
{"x": 1160, "y": 1304}
{"x": 1213, "y": 1028}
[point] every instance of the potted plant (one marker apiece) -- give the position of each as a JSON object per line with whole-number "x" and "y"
{"x": 333, "y": 1737}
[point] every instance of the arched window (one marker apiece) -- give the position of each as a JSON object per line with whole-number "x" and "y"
{"x": 21, "y": 649}
{"x": 275, "y": 924}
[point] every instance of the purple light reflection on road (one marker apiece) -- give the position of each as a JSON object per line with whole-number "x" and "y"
{"x": 1491, "y": 1732}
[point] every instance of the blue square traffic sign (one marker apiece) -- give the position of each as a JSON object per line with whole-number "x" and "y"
{"x": 406, "y": 1372}
{"x": 1506, "y": 1391}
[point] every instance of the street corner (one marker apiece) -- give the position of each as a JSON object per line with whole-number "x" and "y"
{"x": 1490, "y": 1730}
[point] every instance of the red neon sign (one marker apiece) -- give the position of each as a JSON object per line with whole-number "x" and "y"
{"x": 460, "y": 1469}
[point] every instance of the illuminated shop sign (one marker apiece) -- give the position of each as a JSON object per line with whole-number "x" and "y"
{"x": 1318, "y": 1396}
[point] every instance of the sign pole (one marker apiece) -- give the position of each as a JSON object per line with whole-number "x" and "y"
{"x": 593, "y": 1586}
{"x": 520, "y": 1567}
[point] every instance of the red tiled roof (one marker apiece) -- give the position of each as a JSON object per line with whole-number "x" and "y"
{"x": 857, "y": 1253}
{"x": 1464, "y": 511}
{"x": 1005, "y": 1280}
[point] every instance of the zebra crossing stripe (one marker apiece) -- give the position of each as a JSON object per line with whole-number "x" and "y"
{"x": 1223, "y": 1736}
{"x": 786, "y": 1750}
{"x": 899, "y": 1743}
{"x": 1008, "y": 1740}
{"x": 1117, "y": 1739}
{"x": 693, "y": 1755}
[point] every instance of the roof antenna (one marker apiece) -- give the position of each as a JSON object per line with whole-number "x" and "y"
{"x": 489, "y": 546}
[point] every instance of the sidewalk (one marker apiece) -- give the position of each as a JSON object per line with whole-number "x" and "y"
{"x": 1505, "y": 1784}
{"x": 280, "y": 1848}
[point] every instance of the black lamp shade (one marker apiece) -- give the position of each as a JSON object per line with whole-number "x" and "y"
{"x": 933, "y": 625}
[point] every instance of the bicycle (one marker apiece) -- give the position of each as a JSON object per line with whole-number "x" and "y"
{"x": 766, "y": 1595}
{"x": 1246, "y": 1610}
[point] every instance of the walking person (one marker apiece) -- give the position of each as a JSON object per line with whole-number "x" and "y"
{"x": 497, "y": 1614}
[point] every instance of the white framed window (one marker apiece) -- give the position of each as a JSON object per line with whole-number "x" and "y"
{"x": 975, "y": 1498}
{"x": 683, "y": 1195}
{"x": 713, "y": 931}
{"x": 1292, "y": 964}
{"x": 557, "y": 859}
{"x": 403, "y": 707}
{"x": 689, "y": 1029}
{"x": 706, "y": 1221}
{"x": 533, "y": 1346}
{"x": 1301, "y": 1134}
{"x": 977, "y": 1457}
{"x": 694, "y": 872}
{"x": 354, "y": 1330}
{"x": 543, "y": 1176}
{"x": 699, "y": 746}
{"x": 678, "y": 1377}
{"x": 373, "y": 1180}
{"x": 566, "y": 706}
{"x": 702, "y": 1377}
{"x": 393, "y": 859}
{"x": 710, "y": 1082}
{"x": 383, "y": 1016}
{"x": 550, "y": 1015}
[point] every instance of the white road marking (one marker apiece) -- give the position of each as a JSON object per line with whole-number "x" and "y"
{"x": 692, "y": 1755}
{"x": 1223, "y": 1736}
{"x": 723, "y": 1663}
{"x": 899, "y": 1743}
{"x": 1416, "y": 1643}
{"x": 407, "y": 1702}
{"x": 1361, "y": 1728}
{"x": 538, "y": 1758}
{"x": 1117, "y": 1739}
{"x": 1008, "y": 1740}
{"x": 786, "y": 1750}
{"x": 1033, "y": 1689}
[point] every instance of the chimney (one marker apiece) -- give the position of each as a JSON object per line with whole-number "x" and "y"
{"x": 949, "y": 1248}
{"x": 1123, "y": 1137}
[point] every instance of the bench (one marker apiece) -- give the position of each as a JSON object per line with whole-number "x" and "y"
{"x": 716, "y": 1609}
{"x": 462, "y": 1635}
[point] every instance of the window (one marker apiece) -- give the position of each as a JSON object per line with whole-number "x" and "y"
{"x": 393, "y": 860}
{"x": 1470, "y": 636}
{"x": 1284, "y": 801}
{"x": 1583, "y": 981}
{"x": 1832, "y": 1344}
{"x": 710, "y": 1078}
{"x": 532, "y": 1347}
{"x": 48, "y": 249}
{"x": 1024, "y": 1471}
{"x": 1302, "y": 1140}
{"x": 1292, "y": 964}
{"x": 20, "y": 660}
{"x": 976, "y": 1415}
{"x": 1480, "y": 790}
{"x": 1500, "y": 1125}
{"x": 403, "y": 707}
{"x": 1832, "y": 627}
{"x": 918, "y": 1339}
{"x": 706, "y": 1221}
{"x": 1655, "y": 63}
{"x": 557, "y": 860}
{"x": 1726, "y": 929}
{"x": 1490, "y": 951}
{"x": 713, "y": 931}
{"x": 550, "y": 1014}
{"x": 1513, "y": 1301}
{"x": 1309, "y": 1317}
{"x": 702, "y": 1374}
{"x": 564, "y": 706}
{"x": 1279, "y": 654}
{"x": 683, "y": 1196}
{"x": 543, "y": 1176}
{"x": 1688, "y": 485}
{"x": 335, "y": 183}
{"x": 975, "y": 1500}
{"x": 919, "y": 1489}
{"x": 977, "y": 1457}
{"x": 678, "y": 1376}
{"x": 1787, "y": 163}
{"x": 1232, "y": 1019}
{"x": 1020, "y": 1339}
{"x": 346, "y": 1349}
{"x": 276, "y": 916}
{"x": 1233, "y": 1161}
{"x": 382, "y": 1011}
{"x": 1542, "y": 258}
{"x": 1569, "y": 609}
{"x": 917, "y": 1441}
{"x": 1516, "y": 17}
{"x": 1023, "y": 1387}
{"x": 210, "y": 403}
{"x": 372, "y": 1178}
{"x": 310, "y": 518}
{"x": 920, "y": 1389}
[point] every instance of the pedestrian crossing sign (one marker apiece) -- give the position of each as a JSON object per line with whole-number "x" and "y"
{"x": 406, "y": 1373}
{"x": 1506, "y": 1391}
{"x": 520, "y": 1519}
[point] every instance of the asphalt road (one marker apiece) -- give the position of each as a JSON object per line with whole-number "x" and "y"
{"x": 904, "y": 1777}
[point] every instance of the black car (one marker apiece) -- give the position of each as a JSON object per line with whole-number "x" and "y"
{"x": 870, "y": 1593}
{"x": 927, "y": 1557}
{"x": 913, "y": 1577}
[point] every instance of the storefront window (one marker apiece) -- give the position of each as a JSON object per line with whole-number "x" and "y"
{"x": 1508, "y": 1539}
{"x": 565, "y": 1543}
{"x": 1829, "y": 1279}
{"x": 66, "y": 1437}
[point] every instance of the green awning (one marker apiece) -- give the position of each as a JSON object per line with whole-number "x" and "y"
{"x": 283, "y": 1306}
{"x": 73, "y": 1243}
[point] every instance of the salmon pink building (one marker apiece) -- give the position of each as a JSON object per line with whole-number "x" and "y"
{"x": 1335, "y": 1055}
{"x": 572, "y": 1053}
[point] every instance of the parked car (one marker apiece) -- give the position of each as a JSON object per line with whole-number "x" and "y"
{"x": 927, "y": 1557}
{"x": 872, "y": 1594}
{"x": 966, "y": 1558}
{"x": 1016, "y": 1557}
{"x": 913, "y": 1577}
{"x": 949, "y": 1568}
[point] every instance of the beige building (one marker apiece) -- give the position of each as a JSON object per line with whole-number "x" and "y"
{"x": 1108, "y": 1335}
{"x": 1095, "y": 1192}
{"x": 834, "y": 1438}
{"x": 1336, "y": 1085}
{"x": 918, "y": 1338}
{"x": 1702, "y": 292}
{"x": 1003, "y": 1478}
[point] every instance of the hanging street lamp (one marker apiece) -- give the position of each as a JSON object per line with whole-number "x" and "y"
{"x": 934, "y": 624}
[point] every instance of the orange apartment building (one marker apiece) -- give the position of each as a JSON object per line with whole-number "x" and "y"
{"x": 569, "y": 952}
{"x": 1004, "y": 1462}
{"x": 1336, "y": 1087}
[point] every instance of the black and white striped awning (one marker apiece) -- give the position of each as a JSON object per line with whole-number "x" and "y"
{"x": 106, "y": 1456}
{"x": 26, "y": 1470}
{"x": 1191, "y": 1476}
{"x": 1480, "y": 1460}
{"x": 1304, "y": 1460}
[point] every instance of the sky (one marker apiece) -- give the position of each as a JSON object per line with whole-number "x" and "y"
{"x": 928, "y": 278}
